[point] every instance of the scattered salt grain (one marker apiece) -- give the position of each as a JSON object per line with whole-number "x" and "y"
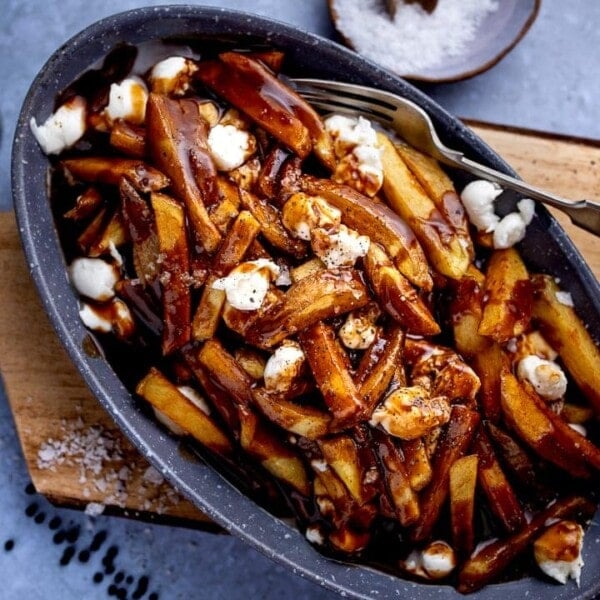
{"x": 414, "y": 40}
{"x": 94, "y": 509}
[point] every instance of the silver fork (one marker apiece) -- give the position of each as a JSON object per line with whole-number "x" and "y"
{"x": 415, "y": 127}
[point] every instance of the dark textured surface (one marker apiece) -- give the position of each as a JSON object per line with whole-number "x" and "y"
{"x": 179, "y": 563}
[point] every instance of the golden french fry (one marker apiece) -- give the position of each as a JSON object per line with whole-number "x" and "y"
{"x": 112, "y": 236}
{"x": 491, "y": 561}
{"x": 128, "y": 139}
{"x": 165, "y": 397}
{"x": 443, "y": 246}
{"x": 86, "y": 204}
{"x": 140, "y": 224}
{"x": 278, "y": 459}
{"x": 303, "y": 420}
{"x": 452, "y": 445}
{"x": 440, "y": 189}
{"x": 502, "y": 499}
{"x": 175, "y": 268}
{"x": 208, "y": 313}
{"x": 247, "y": 87}
{"x": 328, "y": 363}
{"x": 177, "y": 137}
{"x": 417, "y": 464}
{"x": 305, "y": 269}
{"x": 543, "y": 431}
{"x": 314, "y": 298}
{"x": 378, "y": 366}
{"x": 226, "y": 372}
{"x": 103, "y": 169}
{"x": 565, "y": 331}
{"x": 508, "y": 297}
{"x": 380, "y": 223}
{"x": 396, "y": 479}
{"x": 396, "y": 295}
{"x": 462, "y": 482}
{"x": 240, "y": 236}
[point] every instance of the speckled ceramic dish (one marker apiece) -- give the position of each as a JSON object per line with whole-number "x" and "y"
{"x": 497, "y": 34}
{"x": 546, "y": 249}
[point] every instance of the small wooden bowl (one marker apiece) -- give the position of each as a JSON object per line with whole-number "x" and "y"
{"x": 498, "y": 33}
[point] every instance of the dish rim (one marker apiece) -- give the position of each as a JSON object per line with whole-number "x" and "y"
{"x": 204, "y": 486}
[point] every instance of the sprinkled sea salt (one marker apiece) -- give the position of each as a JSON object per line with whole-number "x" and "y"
{"x": 414, "y": 40}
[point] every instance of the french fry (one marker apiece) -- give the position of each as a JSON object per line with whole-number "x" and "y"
{"x": 440, "y": 189}
{"x": 86, "y": 204}
{"x": 222, "y": 402}
{"x": 491, "y": 561}
{"x": 165, "y": 397}
{"x": 342, "y": 455}
{"x": 251, "y": 95}
{"x": 226, "y": 372}
{"x": 305, "y": 269}
{"x": 328, "y": 363}
{"x": 396, "y": 295}
{"x": 92, "y": 230}
{"x": 544, "y": 432}
{"x": 244, "y": 322}
{"x": 378, "y": 366}
{"x": 303, "y": 420}
{"x": 278, "y": 459}
{"x": 208, "y": 312}
{"x": 509, "y": 296}
{"x": 268, "y": 86}
{"x": 177, "y": 143}
{"x": 417, "y": 464}
{"x": 140, "y": 224}
{"x": 113, "y": 235}
{"x": 314, "y": 298}
{"x": 489, "y": 364}
{"x": 396, "y": 479}
{"x": 244, "y": 230}
{"x": 380, "y": 223}
{"x": 227, "y": 207}
{"x": 102, "y": 169}
{"x": 462, "y": 482}
{"x": 466, "y": 310}
{"x": 501, "y": 497}
{"x": 271, "y": 226}
{"x": 128, "y": 139}
{"x": 251, "y": 361}
{"x": 443, "y": 246}
{"x": 453, "y": 443}
{"x": 172, "y": 242}
{"x": 269, "y": 181}
{"x": 565, "y": 331}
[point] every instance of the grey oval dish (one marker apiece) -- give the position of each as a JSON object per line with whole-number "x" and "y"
{"x": 546, "y": 249}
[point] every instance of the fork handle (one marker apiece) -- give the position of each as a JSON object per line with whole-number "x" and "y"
{"x": 583, "y": 213}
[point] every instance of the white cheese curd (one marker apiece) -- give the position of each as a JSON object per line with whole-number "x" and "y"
{"x": 410, "y": 412}
{"x": 127, "y": 100}
{"x": 195, "y": 398}
{"x": 229, "y": 146}
{"x": 283, "y": 366}
{"x": 314, "y": 536}
{"x": 565, "y": 298}
{"x": 558, "y": 551}
{"x": 526, "y": 208}
{"x": 344, "y": 248}
{"x": 172, "y": 75}
{"x": 247, "y": 285}
{"x": 302, "y": 213}
{"x": 369, "y": 160}
{"x": 438, "y": 560}
{"x": 509, "y": 231}
{"x": 348, "y": 132}
{"x": 92, "y": 320}
{"x": 61, "y": 129}
{"x": 478, "y": 198}
{"x": 548, "y": 379}
{"x": 358, "y": 331}
{"x": 93, "y": 278}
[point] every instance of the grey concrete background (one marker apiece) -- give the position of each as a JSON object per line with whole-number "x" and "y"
{"x": 550, "y": 82}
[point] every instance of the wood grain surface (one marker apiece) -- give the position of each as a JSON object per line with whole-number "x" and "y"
{"x": 55, "y": 413}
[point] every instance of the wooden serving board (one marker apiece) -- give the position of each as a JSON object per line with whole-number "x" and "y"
{"x": 56, "y": 415}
